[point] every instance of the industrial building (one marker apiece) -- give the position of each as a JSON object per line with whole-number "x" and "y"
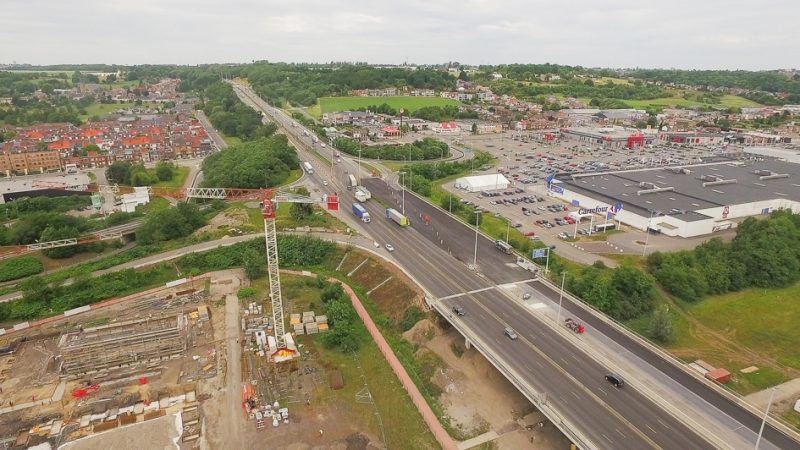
{"x": 122, "y": 345}
{"x": 611, "y": 137}
{"x": 34, "y": 186}
{"x": 684, "y": 201}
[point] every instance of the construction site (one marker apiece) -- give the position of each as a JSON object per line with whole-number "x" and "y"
{"x": 130, "y": 361}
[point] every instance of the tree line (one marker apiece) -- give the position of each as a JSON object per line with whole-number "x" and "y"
{"x": 43, "y": 299}
{"x": 257, "y": 164}
{"x": 427, "y": 148}
{"x": 231, "y": 116}
{"x": 765, "y": 253}
{"x": 129, "y": 174}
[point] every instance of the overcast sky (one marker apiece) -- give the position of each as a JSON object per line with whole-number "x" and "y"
{"x": 733, "y": 34}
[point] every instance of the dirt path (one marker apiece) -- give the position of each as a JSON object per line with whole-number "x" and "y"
{"x": 233, "y": 375}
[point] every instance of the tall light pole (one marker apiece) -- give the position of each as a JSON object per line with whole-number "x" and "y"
{"x": 508, "y": 228}
{"x": 477, "y": 221}
{"x": 561, "y": 296}
{"x": 766, "y": 414}
{"x": 403, "y": 174}
{"x": 451, "y": 202}
{"x": 647, "y": 233}
{"x": 359, "y": 163}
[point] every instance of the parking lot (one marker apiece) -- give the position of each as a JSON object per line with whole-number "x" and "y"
{"x": 526, "y": 203}
{"x": 534, "y": 214}
{"x": 528, "y": 162}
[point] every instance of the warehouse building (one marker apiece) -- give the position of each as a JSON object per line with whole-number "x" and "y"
{"x": 684, "y": 201}
{"x": 610, "y": 137}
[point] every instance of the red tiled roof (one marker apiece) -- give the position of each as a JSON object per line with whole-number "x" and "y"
{"x": 138, "y": 140}
{"x": 60, "y": 145}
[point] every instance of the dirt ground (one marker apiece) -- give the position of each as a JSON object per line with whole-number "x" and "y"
{"x": 231, "y": 218}
{"x": 477, "y": 398}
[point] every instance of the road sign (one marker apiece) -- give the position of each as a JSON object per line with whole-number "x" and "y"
{"x": 539, "y": 252}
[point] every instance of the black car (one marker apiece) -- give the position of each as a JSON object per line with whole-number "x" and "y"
{"x": 615, "y": 380}
{"x": 459, "y": 310}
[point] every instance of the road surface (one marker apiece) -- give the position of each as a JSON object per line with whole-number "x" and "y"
{"x": 426, "y": 256}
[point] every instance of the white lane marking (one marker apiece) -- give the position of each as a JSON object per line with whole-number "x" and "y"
{"x": 651, "y": 428}
{"x": 601, "y": 390}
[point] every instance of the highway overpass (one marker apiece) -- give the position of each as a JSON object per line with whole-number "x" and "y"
{"x": 563, "y": 379}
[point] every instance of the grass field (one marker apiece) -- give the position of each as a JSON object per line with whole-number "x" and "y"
{"x": 231, "y": 140}
{"x": 177, "y": 181}
{"x": 101, "y": 109}
{"x": 748, "y": 321}
{"x": 411, "y": 104}
{"x": 294, "y": 175}
{"x": 761, "y": 319}
{"x": 727, "y": 101}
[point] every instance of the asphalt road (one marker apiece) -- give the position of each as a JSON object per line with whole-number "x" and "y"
{"x": 459, "y": 240}
{"x": 431, "y": 250}
{"x": 612, "y": 418}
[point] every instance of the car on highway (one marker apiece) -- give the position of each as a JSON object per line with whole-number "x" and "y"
{"x": 510, "y": 333}
{"x": 389, "y": 247}
{"x": 615, "y": 380}
{"x": 459, "y": 310}
{"x": 324, "y": 182}
{"x": 526, "y": 295}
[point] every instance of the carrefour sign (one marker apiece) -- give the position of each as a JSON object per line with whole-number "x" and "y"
{"x": 596, "y": 210}
{"x": 557, "y": 189}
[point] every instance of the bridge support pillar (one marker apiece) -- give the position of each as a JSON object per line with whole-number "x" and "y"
{"x": 467, "y": 343}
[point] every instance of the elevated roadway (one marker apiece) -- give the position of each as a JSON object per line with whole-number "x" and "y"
{"x": 564, "y": 381}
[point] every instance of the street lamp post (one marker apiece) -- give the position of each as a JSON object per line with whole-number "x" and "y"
{"x": 647, "y": 233}
{"x": 561, "y": 295}
{"x": 764, "y": 422}
{"x": 403, "y": 182}
{"x": 477, "y": 221}
{"x": 359, "y": 163}
{"x": 508, "y": 228}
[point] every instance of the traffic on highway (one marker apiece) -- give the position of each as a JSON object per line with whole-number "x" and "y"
{"x": 481, "y": 292}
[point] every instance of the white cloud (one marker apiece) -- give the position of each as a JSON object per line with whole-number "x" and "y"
{"x": 610, "y": 33}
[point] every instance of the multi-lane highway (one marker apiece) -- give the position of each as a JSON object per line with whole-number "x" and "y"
{"x": 542, "y": 362}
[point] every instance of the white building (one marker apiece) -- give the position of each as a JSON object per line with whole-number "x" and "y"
{"x": 140, "y": 196}
{"x": 447, "y": 128}
{"x": 688, "y": 201}
{"x": 477, "y": 183}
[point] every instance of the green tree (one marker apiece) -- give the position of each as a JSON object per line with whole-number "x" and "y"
{"x": 118, "y": 172}
{"x": 660, "y": 327}
{"x": 300, "y": 211}
{"x": 253, "y": 263}
{"x": 165, "y": 170}
{"x": 474, "y": 128}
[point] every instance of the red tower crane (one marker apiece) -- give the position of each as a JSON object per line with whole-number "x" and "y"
{"x": 268, "y": 198}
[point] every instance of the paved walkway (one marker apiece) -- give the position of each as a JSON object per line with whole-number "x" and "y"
{"x": 478, "y": 440}
{"x": 789, "y": 390}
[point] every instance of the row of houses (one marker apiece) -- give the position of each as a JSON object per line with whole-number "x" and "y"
{"x": 50, "y": 147}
